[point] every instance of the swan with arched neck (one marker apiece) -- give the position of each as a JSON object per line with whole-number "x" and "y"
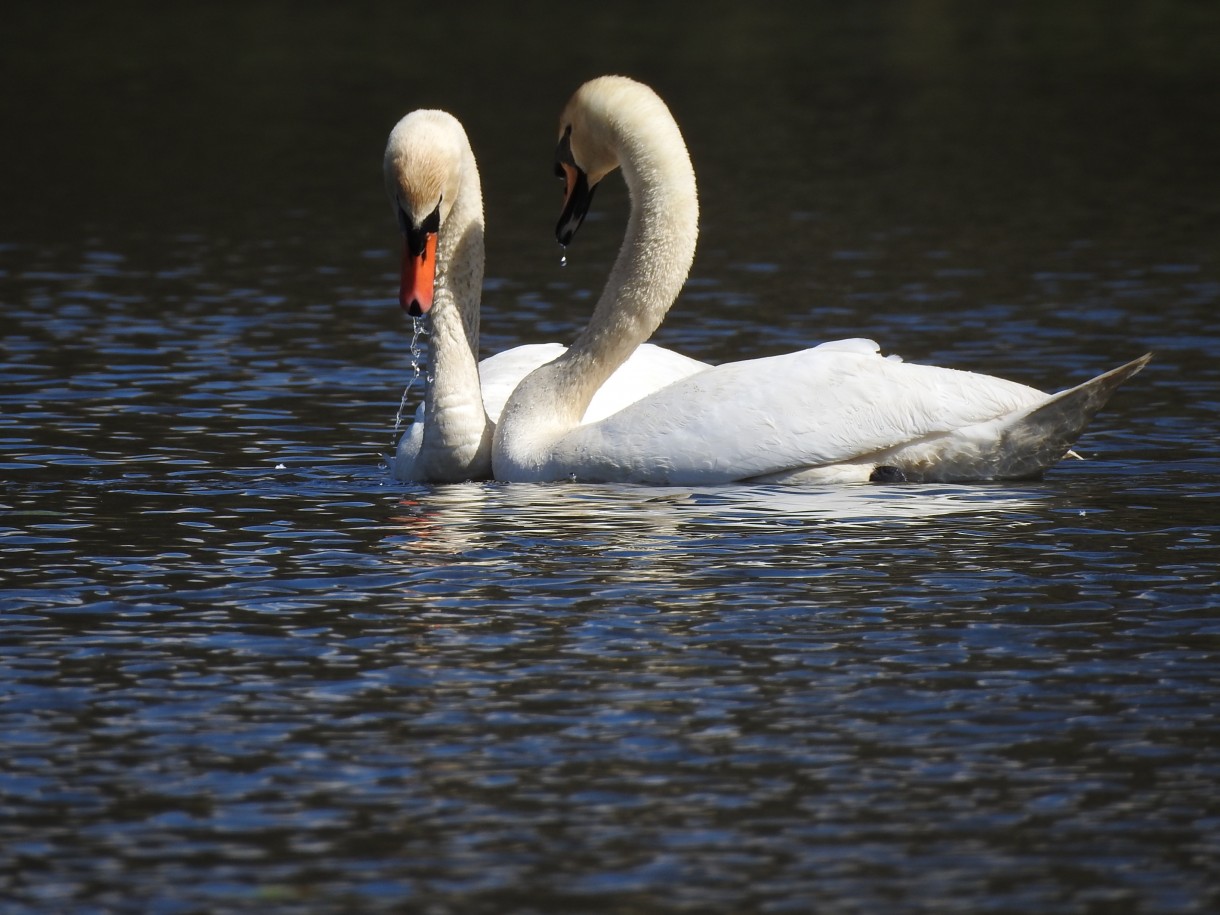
{"x": 433, "y": 184}
{"x": 839, "y": 412}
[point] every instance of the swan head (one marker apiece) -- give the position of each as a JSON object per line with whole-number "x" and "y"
{"x": 423, "y": 164}
{"x": 604, "y": 117}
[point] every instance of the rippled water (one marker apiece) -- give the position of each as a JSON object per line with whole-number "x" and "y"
{"x": 244, "y": 669}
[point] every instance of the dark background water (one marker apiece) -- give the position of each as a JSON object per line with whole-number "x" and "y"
{"x": 243, "y": 669}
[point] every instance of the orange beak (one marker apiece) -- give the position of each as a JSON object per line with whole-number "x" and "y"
{"x": 418, "y": 277}
{"x": 569, "y": 182}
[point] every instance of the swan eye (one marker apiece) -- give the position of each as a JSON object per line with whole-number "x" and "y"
{"x": 432, "y": 224}
{"x": 417, "y": 239}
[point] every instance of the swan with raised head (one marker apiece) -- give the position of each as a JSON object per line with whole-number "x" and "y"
{"x": 433, "y": 184}
{"x": 839, "y": 412}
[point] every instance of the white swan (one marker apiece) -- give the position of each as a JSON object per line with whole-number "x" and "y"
{"x": 433, "y": 184}
{"x": 839, "y": 412}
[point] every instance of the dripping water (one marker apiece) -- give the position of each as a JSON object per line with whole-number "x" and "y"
{"x": 419, "y": 330}
{"x": 563, "y": 258}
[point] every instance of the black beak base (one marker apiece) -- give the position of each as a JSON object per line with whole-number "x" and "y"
{"x": 579, "y": 194}
{"x": 417, "y": 236}
{"x": 575, "y": 209}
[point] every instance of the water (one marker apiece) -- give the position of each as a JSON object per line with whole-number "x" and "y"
{"x": 245, "y": 670}
{"x": 419, "y": 330}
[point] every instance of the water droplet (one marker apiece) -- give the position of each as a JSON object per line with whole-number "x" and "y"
{"x": 563, "y": 258}
{"x": 419, "y": 330}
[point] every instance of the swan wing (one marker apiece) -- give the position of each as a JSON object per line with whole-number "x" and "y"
{"x": 835, "y": 404}
{"x": 649, "y": 369}
{"x": 500, "y": 374}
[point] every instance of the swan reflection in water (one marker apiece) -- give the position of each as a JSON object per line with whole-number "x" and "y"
{"x": 447, "y": 521}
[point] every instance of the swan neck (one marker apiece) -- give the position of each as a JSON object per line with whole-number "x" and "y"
{"x": 460, "y": 256}
{"x": 652, "y": 264}
{"x": 647, "y": 276}
{"x": 457, "y": 433}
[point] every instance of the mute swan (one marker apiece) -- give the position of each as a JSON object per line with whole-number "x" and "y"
{"x": 433, "y": 184}
{"x": 839, "y": 412}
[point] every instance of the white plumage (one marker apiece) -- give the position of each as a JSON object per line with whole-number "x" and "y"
{"x": 430, "y": 174}
{"x": 834, "y": 413}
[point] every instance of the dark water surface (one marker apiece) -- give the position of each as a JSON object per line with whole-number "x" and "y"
{"x": 243, "y": 669}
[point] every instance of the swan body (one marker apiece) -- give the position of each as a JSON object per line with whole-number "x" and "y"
{"x": 433, "y": 184}
{"x": 650, "y": 368}
{"x": 839, "y": 412}
{"x": 831, "y": 414}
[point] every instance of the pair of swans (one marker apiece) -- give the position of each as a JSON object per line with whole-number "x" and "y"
{"x": 433, "y": 183}
{"x": 611, "y": 408}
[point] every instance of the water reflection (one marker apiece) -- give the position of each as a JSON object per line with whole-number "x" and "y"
{"x": 244, "y": 669}
{"x": 452, "y": 520}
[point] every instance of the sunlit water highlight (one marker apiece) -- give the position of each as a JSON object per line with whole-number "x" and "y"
{"x": 243, "y": 664}
{"x": 245, "y": 670}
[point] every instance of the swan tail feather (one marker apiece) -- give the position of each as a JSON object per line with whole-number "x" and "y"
{"x": 1057, "y": 423}
{"x": 1025, "y": 445}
